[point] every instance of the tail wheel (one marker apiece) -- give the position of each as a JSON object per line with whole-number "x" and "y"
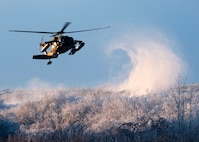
{"x": 49, "y": 62}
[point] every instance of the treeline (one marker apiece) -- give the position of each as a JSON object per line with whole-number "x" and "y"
{"x": 104, "y": 116}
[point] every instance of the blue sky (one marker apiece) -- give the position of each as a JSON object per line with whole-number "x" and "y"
{"x": 178, "y": 20}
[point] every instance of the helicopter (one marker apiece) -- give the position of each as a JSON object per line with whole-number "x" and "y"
{"x": 59, "y": 44}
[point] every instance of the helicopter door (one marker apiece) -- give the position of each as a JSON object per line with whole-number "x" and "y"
{"x": 68, "y": 41}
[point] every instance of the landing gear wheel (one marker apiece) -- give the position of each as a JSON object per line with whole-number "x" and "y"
{"x": 49, "y": 62}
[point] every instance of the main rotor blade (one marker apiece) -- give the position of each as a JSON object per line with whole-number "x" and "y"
{"x": 32, "y": 32}
{"x": 60, "y": 32}
{"x": 88, "y": 30}
{"x": 65, "y": 26}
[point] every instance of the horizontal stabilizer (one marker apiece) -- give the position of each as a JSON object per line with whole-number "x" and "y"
{"x": 43, "y": 57}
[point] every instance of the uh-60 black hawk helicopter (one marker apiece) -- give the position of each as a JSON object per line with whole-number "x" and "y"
{"x": 59, "y": 43}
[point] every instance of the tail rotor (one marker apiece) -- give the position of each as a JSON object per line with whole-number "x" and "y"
{"x": 42, "y": 45}
{"x": 41, "y": 40}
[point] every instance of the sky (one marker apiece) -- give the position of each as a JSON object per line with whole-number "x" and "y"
{"x": 171, "y": 23}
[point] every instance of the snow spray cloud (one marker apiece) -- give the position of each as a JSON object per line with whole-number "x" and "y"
{"x": 153, "y": 64}
{"x": 34, "y": 90}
